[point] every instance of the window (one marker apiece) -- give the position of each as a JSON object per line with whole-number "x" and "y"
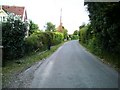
{"x": 4, "y": 19}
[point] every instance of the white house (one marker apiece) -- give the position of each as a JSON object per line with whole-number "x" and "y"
{"x": 20, "y": 11}
{"x": 5, "y": 10}
{"x": 3, "y": 14}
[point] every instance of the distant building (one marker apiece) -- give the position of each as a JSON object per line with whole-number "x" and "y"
{"x": 5, "y": 10}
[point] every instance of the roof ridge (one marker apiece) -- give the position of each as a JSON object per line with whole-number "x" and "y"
{"x": 13, "y": 6}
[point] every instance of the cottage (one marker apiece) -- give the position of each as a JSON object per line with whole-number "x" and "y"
{"x": 5, "y": 10}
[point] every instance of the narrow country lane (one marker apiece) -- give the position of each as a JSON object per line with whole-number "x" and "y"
{"x": 71, "y": 66}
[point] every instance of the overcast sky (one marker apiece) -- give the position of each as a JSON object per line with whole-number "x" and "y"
{"x": 42, "y": 11}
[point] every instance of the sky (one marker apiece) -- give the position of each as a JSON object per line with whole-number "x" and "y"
{"x": 74, "y": 12}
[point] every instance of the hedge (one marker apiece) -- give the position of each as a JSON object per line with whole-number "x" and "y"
{"x": 13, "y": 34}
{"x": 41, "y": 41}
{"x": 74, "y": 37}
{"x": 15, "y": 45}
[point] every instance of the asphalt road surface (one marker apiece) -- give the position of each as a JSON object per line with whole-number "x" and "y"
{"x": 71, "y": 66}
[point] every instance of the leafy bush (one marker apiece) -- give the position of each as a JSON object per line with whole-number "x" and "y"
{"x": 83, "y": 35}
{"x": 42, "y": 40}
{"x": 57, "y": 38}
{"x": 32, "y": 43}
{"x": 74, "y": 37}
{"x": 13, "y": 33}
{"x": 105, "y": 25}
{"x": 33, "y": 27}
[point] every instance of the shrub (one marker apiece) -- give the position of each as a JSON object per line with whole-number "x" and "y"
{"x": 74, "y": 37}
{"x": 57, "y": 38}
{"x": 32, "y": 43}
{"x": 13, "y": 33}
{"x": 83, "y": 35}
{"x": 42, "y": 40}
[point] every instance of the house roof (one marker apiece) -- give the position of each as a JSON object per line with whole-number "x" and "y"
{"x": 14, "y": 9}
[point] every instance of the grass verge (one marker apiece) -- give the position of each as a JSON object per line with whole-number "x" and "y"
{"x": 107, "y": 58}
{"x": 14, "y": 67}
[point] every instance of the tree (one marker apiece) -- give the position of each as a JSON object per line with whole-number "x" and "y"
{"x": 83, "y": 25}
{"x": 65, "y": 32}
{"x": 33, "y": 27}
{"x": 50, "y": 27}
{"x": 76, "y": 32}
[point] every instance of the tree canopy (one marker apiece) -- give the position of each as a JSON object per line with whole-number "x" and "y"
{"x": 76, "y": 32}
{"x": 50, "y": 27}
{"x": 33, "y": 27}
{"x": 83, "y": 25}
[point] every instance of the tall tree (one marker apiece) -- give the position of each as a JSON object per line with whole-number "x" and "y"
{"x": 50, "y": 27}
{"x": 33, "y": 27}
{"x": 76, "y": 32}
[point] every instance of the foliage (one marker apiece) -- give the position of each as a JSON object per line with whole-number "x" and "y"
{"x": 13, "y": 33}
{"x": 57, "y": 38}
{"x": 105, "y": 25}
{"x": 50, "y": 27}
{"x": 76, "y": 32}
{"x": 42, "y": 40}
{"x": 13, "y": 68}
{"x": 83, "y": 35}
{"x": 32, "y": 43}
{"x": 74, "y": 37}
{"x": 16, "y": 45}
{"x": 83, "y": 25}
{"x": 65, "y": 32}
{"x": 33, "y": 27}
{"x": 102, "y": 35}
